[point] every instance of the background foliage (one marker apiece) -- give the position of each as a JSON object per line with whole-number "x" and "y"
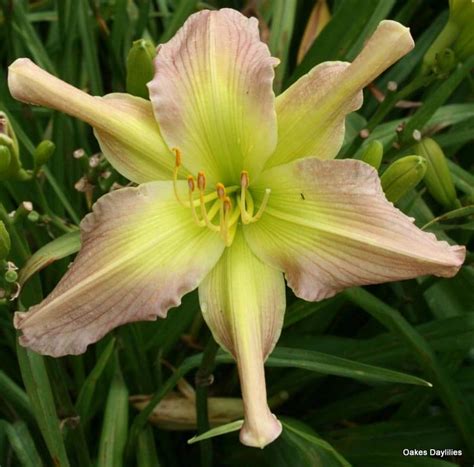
{"x": 328, "y": 377}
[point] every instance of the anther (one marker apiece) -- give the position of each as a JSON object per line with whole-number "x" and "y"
{"x": 201, "y": 181}
{"x": 191, "y": 183}
{"x": 244, "y": 179}
{"x": 224, "y": 227}
{"x": 227, "y": 205}
{"x": 199, "y": 222}
{"x": 177, "y": 155}
{"x": 220, "y": 190}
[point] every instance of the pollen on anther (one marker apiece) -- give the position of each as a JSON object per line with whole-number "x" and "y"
{"x": 177, "y": 155}
{"x": 227, "y": 204}
{"x": 244, "y": 179}
{"x": 191, "y": 182}
{"x": 201, "y": 181}
{"x": 220, "y": 189}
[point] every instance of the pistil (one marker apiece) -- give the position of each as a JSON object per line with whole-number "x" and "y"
{"x": 221, "y": 202}
{"x": 246, "y": 201}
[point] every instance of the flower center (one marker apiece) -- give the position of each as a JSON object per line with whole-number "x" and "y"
{"x": 221, "y": 209}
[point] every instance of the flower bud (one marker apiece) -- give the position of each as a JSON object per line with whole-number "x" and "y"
{"x": 438, "y": 178}
{"x": 11, "y": 276}
{"x": 445, "y": 61}
{"x": 5, "y": 159}
{"x": 10, "y": 164}
{"x": 403, "y": 175}
{"x": 458, "y": 35}
{"x": 5, "y": 242}
{"x": 373, "y": 153}
{"x": 43, "y": 152}
{"x": 140, "y": 68}
{"x": 33, "y": 216}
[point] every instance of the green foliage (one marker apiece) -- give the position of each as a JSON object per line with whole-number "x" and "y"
{"x": 352, "y": 372}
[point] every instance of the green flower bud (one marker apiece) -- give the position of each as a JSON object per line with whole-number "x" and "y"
{"x": 5, "y": 159}
{"x": 458, "y": 34}
{"x": 43, "y": 152}
{"x": 9, "y": 141}
{"x": 11, "y": 276}
{"x": 140, "y": 68}
{"x": 446, "y": 61}
{"x": 33, "y": 216}
{"x": 5, "y": 242}
{"x": 438, "y": 178}
{"x": 402, "y": 176}
{"x": 6, "y": 130}
{"x": 373, "y": 153}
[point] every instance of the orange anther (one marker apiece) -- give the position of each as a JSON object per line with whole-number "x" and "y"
{"x": 201, "y": 181}
{"x": 244, "y": 179}
{"x": 191, "y": 182}
{"x": 227, "y": 205}
{"x": 220, "y": 189}
{"x": 177, "y": 155}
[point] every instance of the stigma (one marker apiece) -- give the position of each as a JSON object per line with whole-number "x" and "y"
{"x": 220, "y": 210}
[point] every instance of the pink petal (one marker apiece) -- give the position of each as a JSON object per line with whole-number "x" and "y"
{"x": 141, "y": 252}
{"x": 329, "y": 226}
{"x": 212, "y": 95}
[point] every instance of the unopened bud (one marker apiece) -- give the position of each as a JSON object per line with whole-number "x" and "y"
{"x": 438, "y": 178}
{"x": 11, "y": 276}
{"x": 5, "y": 242}
{"x": 373, "y": 153}
{"x": 402, "y": 176}
{"x": 445, "y": 61}
{"x": 10, "y": 153}
{"x": 43, "y": 152}
{"x": 5, "y": 159}
{"x": 33, "y": 216}
{"x": 140, "y": 68}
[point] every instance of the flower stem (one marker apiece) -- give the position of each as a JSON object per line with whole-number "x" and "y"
{"x": 203, "y": 380}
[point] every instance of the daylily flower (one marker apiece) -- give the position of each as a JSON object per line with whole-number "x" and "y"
{"x": 237, "y": 188}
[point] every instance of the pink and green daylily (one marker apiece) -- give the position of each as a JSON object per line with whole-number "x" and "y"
{"x": 237, "y": 190}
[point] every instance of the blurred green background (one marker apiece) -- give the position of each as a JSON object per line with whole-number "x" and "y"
{"x": 328, "y": 377}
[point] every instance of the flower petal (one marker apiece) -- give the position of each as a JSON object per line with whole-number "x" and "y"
{"x": 328, "y": 226}
{"x": 124, "y": 125}
{"x": 243, "y": 302}
{"x": 212, "y": 95}
{"x": 311, "y": 113}
{"x": 141, "y": 252}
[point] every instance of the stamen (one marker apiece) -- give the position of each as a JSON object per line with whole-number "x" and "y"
{"x": 220, "y": 190}
{"x": 214, "y": 209}
{"x": 177, "y": 155}
{"x": 244, "y": 183}
{"x": 262, "y": 206}
{"x": 201, "y": 182}
{"x": 226, "y": 208}
{"x": 199, "y": 222}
